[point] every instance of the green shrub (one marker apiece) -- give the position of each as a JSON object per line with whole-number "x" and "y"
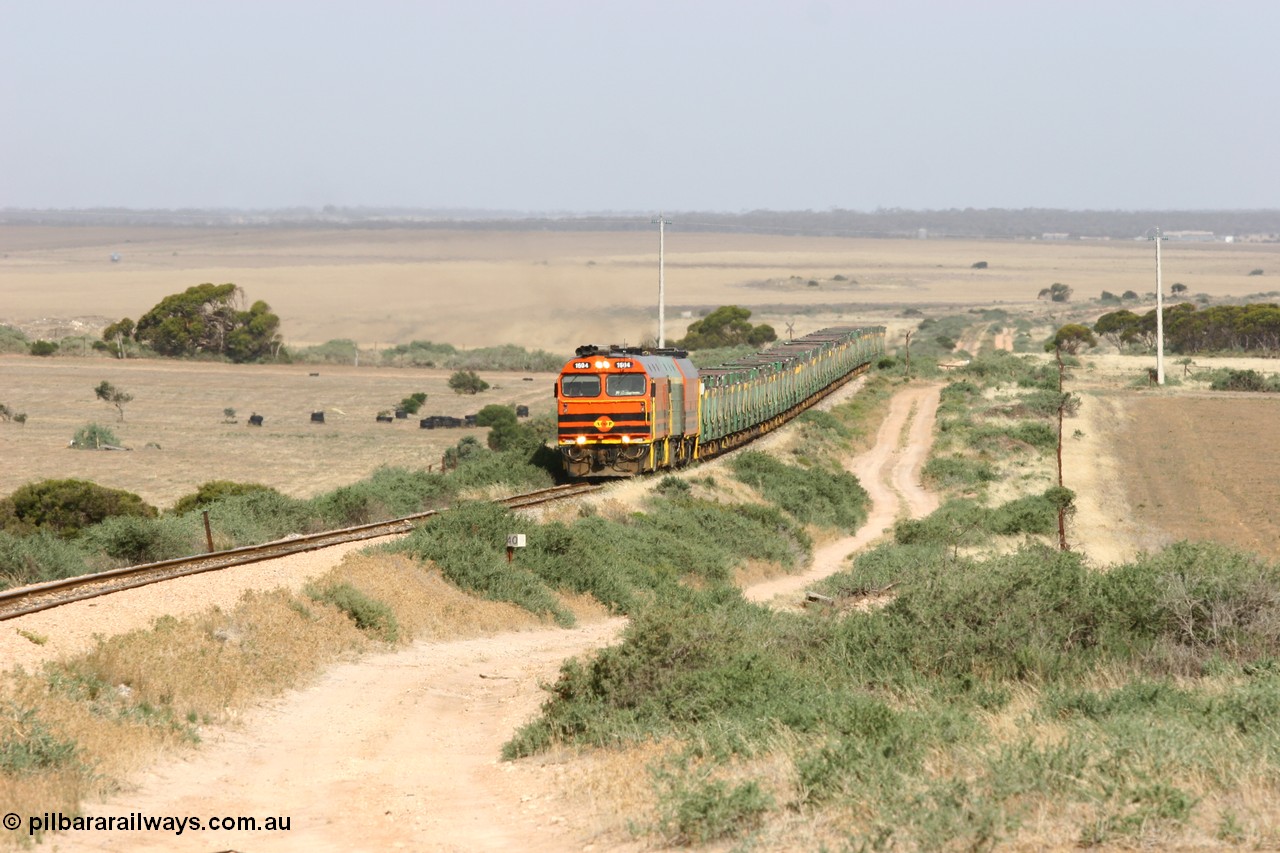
{"x": 350, "y": 505}
{"x": 1032, "y": 514}
{"x": 13, "y": 340}
{"x": 468, "y": 543}
{"x": 28, "y": 746}
{"x": 413, "y": 402}
{"x": 38, "y": 557}
{"x": 956, "y": 523}
{"x": 955, "y": 472}
{"x": 65, "y": 507}
{"x": 992, "y": 437}
{"x": 816, "y": 496}
{"x": 673, "y": 487}
{"x": 94, "y": 437}
{"x": 260, "y": 516}
{"x": 1227, "y": 379}
{"x": 370, "y": 615}
{"x": 207, "y": 494}
{"x": 505, "y": 357}
{"x": 467, "y": 382}
{"x": 337, "y": 351}
{"x": 136, "y": 540}
{"x": 704, "y": 810}
{"x": 44, "y": 348}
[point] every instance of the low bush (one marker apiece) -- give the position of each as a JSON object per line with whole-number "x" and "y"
{"x": 13, "y": 340}
{"x": 1227, "y": 379}
{"x": 133, "y": 540}
{"x": 28, "y": 746}
{"x": 413, "y": 402}
{"x": 38, "y": 557}
{"x": 958, "y": 472}
{"x": 370, "y": 615}
{"x": 207, "y": 494}
{"x": 467, "y": 382}
{"x": 65, "y": 507}
{"x": 94, "y": 437}
{"x": 999, "y": 368}
{"x": 998, "y": 438}
{"x": 505, "y": 357}
{"x": 816, "y": 496}
{"x": 699, "y": 810}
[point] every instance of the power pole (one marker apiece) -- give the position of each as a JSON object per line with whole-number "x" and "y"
{"x": 661, "y": 221}
{"x": 1159, "y": 314}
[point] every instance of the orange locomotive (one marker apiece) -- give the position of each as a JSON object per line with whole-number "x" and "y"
{"x": 624, "y": 411}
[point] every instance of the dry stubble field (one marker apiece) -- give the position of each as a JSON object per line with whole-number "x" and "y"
{"x": 551, "y": 290}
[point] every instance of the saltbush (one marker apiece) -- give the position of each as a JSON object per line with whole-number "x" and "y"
{"x": 817, "y": 496}
{"x": 38, "y": 557}
{"x": 94, "y": 437}
{"x": 65, "y": 507}
{"x": 370, "y": 615}
{"x": 207, "y": 494}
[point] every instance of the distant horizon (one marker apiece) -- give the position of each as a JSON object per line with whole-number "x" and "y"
{"x": 615, "y": 213}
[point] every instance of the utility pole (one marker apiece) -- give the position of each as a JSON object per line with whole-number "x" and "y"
{"x": 661, "y": 222}
{"x": 1159, "y": 314}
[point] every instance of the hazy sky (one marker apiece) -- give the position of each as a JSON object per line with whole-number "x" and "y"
{"x": 557, "y": 105}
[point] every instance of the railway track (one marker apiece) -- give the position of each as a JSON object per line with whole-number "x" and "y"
{"x": 44, "y": 596}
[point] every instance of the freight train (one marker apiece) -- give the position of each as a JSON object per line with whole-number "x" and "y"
{"x": 623, "y": 411}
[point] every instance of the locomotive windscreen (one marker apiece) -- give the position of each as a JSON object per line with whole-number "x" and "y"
{"x": 625, "y": 384}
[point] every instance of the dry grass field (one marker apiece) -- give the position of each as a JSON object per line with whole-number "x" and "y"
{"x": 179, "y": 438}
{"x": 555, "y": 290}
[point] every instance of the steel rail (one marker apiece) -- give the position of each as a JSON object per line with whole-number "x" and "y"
{"x": 45, "y": 596}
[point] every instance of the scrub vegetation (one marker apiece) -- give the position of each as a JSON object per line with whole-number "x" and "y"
{"x": 1000, "y": 692}
{"x": 59, "y": 528}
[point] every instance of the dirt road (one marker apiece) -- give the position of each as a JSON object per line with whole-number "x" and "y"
{"x": 400, "y": 751}
{"x": 890, "y": 472}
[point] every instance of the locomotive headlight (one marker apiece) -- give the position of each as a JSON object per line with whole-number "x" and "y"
{"x": 626, "y": 439}
{"x": 582, "y": 439}
{"x": 602, "y": 365}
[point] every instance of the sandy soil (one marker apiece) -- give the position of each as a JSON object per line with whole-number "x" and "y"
{"x": 400, "y": 751}
{"x": 1103, "y": 527}
{"x": 1203, "y": 467}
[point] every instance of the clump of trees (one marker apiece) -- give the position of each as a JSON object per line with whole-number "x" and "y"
{"x": 1056, "y": 292}
{"x": 1218, "y": 328}
{"x": 727, "y": 326}
{"x": 207, "y": 319}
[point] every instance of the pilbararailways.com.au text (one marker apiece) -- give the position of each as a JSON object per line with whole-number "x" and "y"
{"x": 139, "y": 822}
